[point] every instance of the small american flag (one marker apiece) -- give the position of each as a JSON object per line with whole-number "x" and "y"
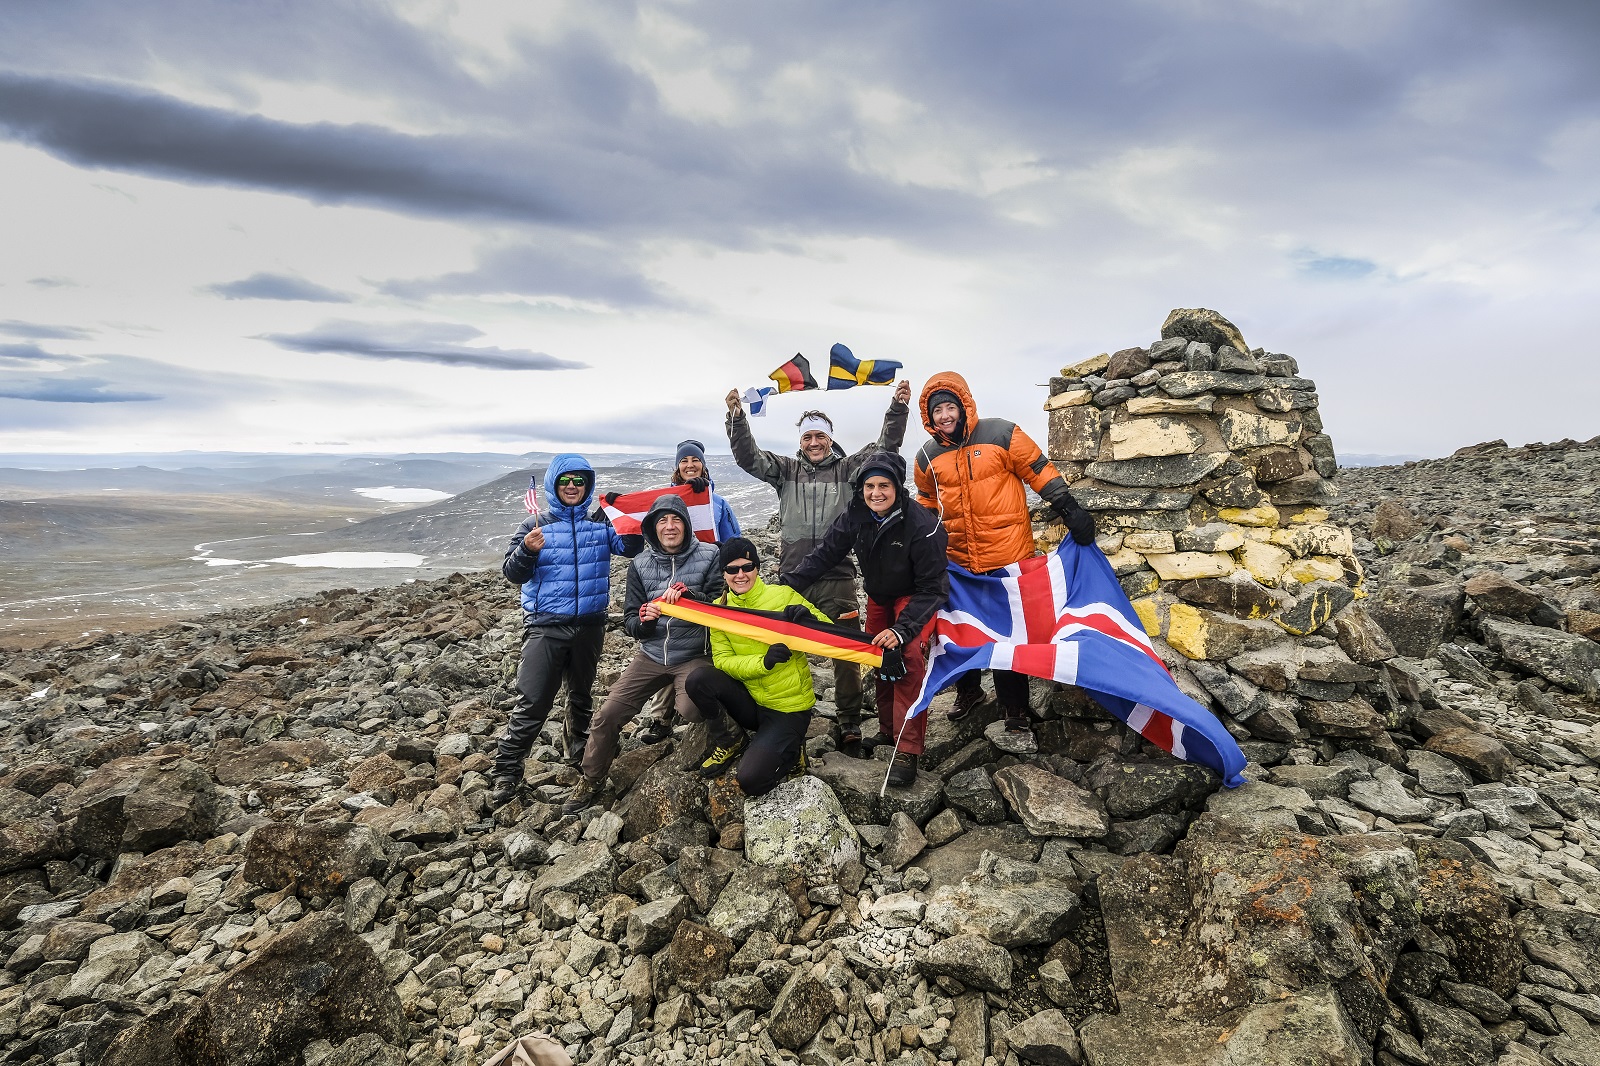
{"x": 530, "y": 499}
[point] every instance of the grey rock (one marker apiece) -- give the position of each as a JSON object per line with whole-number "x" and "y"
{"x": 856, "y": 782}
{"x": 1564, "y": 659}
{"x": 1195, "y": 382}
{"x": 1049, "y": 805}
{"x": 1386, "y": 796}
{"x": 651, "y": 925}
{"x": 1047, "y": 1038}
{"x": 321, "y": 859}
{"x": 1478, "y": 1000}
{"x": 1161, "y": 472}
{"x": 698, "y": 956}
{"x": 1006, "y": 902}
{"x": 1437, "y": 774}
{"x": 902, "y": 843}
{"x": 1131, "y": 499}
{"x": 315, "y": 980}
{"x": 799, "y": 1011}
{"x": 799, "y": 822}
{"x": 588, "y": 871}
{"x": 970, "y": 959}
{"x": 1450, "y": 1037}
{"x": 1417, "y": 620}
{"x": 703, "y": 872}
{"x": 754, "y": 898}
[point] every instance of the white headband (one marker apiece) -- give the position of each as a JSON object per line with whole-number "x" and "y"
{"x": 811, "y": 422}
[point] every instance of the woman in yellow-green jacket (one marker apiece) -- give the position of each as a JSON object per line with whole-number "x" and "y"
{"x": 754, "y": 688}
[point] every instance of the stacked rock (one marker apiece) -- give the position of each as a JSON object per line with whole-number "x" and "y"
{"x": 1207, "y": 469}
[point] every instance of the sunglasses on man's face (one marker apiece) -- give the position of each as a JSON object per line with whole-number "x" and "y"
{"x": 739, "y": 568}
{"x": 571, "y": 479}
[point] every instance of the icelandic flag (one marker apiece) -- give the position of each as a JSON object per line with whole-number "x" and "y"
{"x": 628, "y": 512}
{"x": 756, "y": 400}
{"x": 845, "y": 371}
{"x": 1063, "y": 616}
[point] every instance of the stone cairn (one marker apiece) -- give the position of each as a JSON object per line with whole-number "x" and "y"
{"x": 1207, "y": 469}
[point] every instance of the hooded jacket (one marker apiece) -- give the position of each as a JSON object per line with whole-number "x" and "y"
{"x": 978, "y": 484}
{"x": 568, "y": 581}
{"x": 786, "y": 687}
{"x": 810, "y": 495}
{"x": 670, "y": 641}
{"x": 903, "y": 555}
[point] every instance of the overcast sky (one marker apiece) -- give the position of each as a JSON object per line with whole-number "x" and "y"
{"x": 504, "y": 226}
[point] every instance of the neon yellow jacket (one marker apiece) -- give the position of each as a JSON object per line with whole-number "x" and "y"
{"x": 786, "y": 687}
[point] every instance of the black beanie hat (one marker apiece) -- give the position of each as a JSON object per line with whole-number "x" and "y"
{"x": 737, "y": 548}
{"x": 940, "y": 396}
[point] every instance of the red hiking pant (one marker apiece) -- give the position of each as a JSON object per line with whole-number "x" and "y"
{"x": 895, "y": 698}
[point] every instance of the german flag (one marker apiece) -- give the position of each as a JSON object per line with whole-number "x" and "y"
{"x": 770, "y": 627}
{"x": 794, "y": 376}
{"x": 845, "y": 371}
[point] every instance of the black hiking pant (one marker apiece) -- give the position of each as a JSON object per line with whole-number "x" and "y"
{"x": 779, "y": 736}
{"x": 551, "y": 655}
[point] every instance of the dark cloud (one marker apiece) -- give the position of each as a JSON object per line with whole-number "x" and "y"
{"x": 25, "y": 352}
{"x": 653, "y": 175}
{"x": 40, "y": 332}
{"x": 417, "y": 342}
{"x": 264, "y": 286}
{"x": 53, "y": 283}
{"x": 53, "y": 389}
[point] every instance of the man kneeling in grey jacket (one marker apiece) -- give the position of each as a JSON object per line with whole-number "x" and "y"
{"x": 674, "y": 563}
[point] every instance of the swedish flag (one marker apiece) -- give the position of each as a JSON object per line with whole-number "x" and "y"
{"x": 846, "y": 371}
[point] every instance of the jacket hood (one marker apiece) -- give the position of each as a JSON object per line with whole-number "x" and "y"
{"x": 667, "y": 503}
{"x": 567, "y": 463}
{"x": 955, "y": 383}
{"x": 879, "y": 460}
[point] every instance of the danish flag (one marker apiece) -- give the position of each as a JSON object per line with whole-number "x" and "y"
{"x": 1063, "y": 616}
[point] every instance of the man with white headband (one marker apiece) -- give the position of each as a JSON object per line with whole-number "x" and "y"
{"x": 814, "y": 486}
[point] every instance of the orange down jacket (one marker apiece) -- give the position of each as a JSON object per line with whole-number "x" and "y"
{"x": 976, "y": 484}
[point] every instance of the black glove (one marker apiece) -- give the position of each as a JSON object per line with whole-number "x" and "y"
{"x": 611, "y": 498}
{"x": 1080, "y": 524}
{"x": 776, "y": 654}
{"x": 699, "y": 484}
{"x": 894, "y": 664}
{"x": 798, "y": 614}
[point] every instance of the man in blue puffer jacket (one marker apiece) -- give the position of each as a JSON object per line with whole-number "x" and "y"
{"x": 562, "y": 560}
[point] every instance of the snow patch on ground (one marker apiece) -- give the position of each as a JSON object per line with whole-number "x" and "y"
{"x": 394, "y": 494}
{"x": 354, "y": 560}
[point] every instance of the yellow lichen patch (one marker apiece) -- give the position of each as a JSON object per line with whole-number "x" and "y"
{"x": 1316, "y": 568}
{"x": 1264, "y": 562}
{"x": 1265, "y": 515}
{"x": 1086, "y": 366}
{"x": 1149, "y": 612}
{"x": 1186, "y": 631}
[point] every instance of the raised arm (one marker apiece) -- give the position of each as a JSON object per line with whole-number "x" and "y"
{"x": 752, "y": 459}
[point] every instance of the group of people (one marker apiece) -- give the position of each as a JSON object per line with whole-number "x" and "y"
{"x": 837, "y": 512}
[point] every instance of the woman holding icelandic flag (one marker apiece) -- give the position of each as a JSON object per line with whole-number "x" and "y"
{"x": 901, "y": 549}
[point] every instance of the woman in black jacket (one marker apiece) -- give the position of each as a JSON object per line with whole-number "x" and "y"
{"x": 901, "y": 550}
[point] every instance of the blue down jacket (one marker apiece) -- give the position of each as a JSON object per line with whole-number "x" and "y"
{"x": 568, "y": 581}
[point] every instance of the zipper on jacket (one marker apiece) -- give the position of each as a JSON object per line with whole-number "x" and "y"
{"x": 577, "y": 577}
{"x": 666, "y": 641}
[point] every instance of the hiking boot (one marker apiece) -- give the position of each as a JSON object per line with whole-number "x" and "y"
{"x": 1018, "y": 722}
{"x": 506, "y": 789}
{"x": 722, "y": 756}
{"x": 654, "y": 732}
{"x": 903, "y": 770}
{"x": 850, "y": 745}
{"x": 967, "y": 701}
{"x": 801, "y": 767}
{"x": 582, "y": 796}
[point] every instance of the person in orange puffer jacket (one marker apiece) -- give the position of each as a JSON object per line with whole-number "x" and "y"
{"x": 974, "y": 474}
